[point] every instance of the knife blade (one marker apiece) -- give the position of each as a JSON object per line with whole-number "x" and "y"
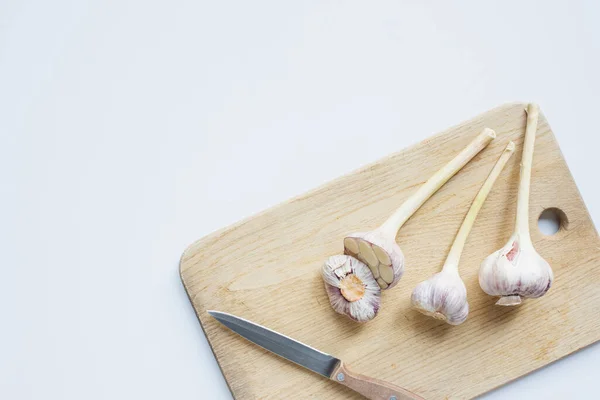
{"x": 312, "y": 359}
{"x": 279, "y": 344}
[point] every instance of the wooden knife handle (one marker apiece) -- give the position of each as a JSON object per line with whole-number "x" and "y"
{"x": 373, "y": 389}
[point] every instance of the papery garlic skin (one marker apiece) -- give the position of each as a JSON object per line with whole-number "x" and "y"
{"x": 383, "y": 257}
{"x": 351, "y": 288}
{"x": 443, "y": 296}
{"x": 515, "y": 271}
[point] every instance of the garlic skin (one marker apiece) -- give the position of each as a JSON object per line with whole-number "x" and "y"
{"x": 515, "y": 271}
{"x": 383, "y": 257}
{"x": 351, "y": 288}
{"x": 443, "y": 296}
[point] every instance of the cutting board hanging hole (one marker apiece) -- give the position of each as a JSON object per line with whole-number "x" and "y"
{"x": 552, "y": 220}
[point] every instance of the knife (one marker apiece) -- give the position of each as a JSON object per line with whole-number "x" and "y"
{"x": 313, "y": 359}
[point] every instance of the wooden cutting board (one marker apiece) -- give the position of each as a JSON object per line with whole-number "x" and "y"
{"x": 267, "y": 269}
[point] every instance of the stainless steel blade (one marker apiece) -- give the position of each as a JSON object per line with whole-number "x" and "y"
{"x": 279, "y": 344}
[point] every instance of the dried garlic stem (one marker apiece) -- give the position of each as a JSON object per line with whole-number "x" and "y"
{"x": 433, "y": 184}
{"x": 444, "y": 296}
{"x": 522, "y": 223}
{"x": 378, "y": 248}
{"x": 461, "y": 238}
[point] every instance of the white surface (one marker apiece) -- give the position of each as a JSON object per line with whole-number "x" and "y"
{"x": 129, "y": 129}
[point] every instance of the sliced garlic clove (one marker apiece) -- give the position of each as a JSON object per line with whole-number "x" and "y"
{"x": 382, "y": 256}
{"x": 387, "y": 273}
{"x": 375, "y": 272}
{"x": 351, "y": 288}
{"x": 382, "y": 284}
{"x": 366, "y": 251}
{"x": 351, "y": 244}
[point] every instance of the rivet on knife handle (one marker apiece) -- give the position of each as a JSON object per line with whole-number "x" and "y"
{"x": 371, "y": 388}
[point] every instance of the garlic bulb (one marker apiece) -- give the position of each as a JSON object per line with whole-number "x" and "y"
{"x": 351, "y": 288}
{"x": 444, "y": 296}
{"x": 517, "y": 270}
{"x": 380, "y": 253}
{"x": 378, "y": 248}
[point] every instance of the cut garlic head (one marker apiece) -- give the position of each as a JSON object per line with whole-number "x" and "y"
{"x": 378, "y": 248}
{"x": 383, "y": 256}
{"x": 515, "y": 271}
{"x": 351, "y": 288}
{"x": 443, "y": 296}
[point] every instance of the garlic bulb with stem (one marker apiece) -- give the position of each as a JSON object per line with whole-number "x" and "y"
{"x": 378, "y": 248}
{"x": 517, "y": 270}
{"x": 351, "y": 288}
{"x": 444, "y": 296}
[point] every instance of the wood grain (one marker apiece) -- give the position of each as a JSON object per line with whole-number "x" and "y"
{"x": 266, "y": 269}
{"x": 371, "y": 388}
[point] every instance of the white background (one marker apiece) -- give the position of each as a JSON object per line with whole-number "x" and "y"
{"x": 129, "y": 129}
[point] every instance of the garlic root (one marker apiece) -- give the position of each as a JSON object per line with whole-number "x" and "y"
{"x": 517, "y": 270}
{"x": 378, "y": 248}
{"x": 444, "y": 296}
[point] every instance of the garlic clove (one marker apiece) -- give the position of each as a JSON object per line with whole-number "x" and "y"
{"x": 515, "y": 271}
{"x": 366, "y": 252}
{"x": 351, "y": 244}
{"x": 382, "y": 283}
{"x": 443, "y": 296}
{"x": 387, "y": 274}
{"x": 383, "y": 256}
{"x": 351, "y": 288}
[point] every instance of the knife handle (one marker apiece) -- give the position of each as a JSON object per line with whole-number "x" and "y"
{"x": 371, "y": 388}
